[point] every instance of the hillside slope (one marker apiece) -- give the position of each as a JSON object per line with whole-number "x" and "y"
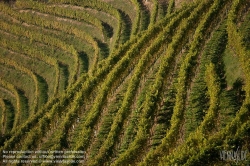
{"x": 135, "y": 82}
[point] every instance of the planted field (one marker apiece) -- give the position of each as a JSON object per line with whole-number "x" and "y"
{"x": 135, "y": 82}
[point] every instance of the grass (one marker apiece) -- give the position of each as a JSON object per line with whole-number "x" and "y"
{"x": 126, "y": 6}
{"x": 92, "y": 30}
{"x": 20, "y": 80}
{"x": 81, "y": 46}
{"x": 41, "y": 68}
{"x": 7, "y": 95}
{"x": 233, "y": 69}
{"x": 107, "y": 19}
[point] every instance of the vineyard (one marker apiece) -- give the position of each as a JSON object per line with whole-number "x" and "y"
{"x": 128, "y": 82}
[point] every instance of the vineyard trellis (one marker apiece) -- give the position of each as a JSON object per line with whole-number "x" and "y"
{"x": 148, "y": 90}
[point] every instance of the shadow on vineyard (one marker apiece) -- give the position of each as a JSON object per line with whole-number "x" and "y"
{"x": 115, "y": 82}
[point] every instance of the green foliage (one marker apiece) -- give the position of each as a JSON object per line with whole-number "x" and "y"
{"x": 171, "y": 5}
{"x": 22, "y": 108}
{"x": 198, "y": 100}
{"x": 150, "y": 90}
{"x": 7, "y": 117}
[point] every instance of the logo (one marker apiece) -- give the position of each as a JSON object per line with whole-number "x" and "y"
{"x": 235, "y": 156}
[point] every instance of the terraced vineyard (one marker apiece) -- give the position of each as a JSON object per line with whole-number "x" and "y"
{"x": 129, "y": 82}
